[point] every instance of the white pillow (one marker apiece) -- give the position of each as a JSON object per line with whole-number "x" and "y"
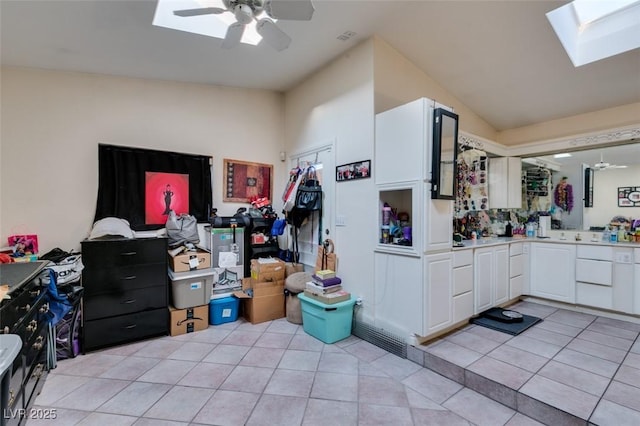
{"x": 111, "y": 226}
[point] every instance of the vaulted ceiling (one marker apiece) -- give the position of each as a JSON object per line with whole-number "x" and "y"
{"x": 501, "y": 58}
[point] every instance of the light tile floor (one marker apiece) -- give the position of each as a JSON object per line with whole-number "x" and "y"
{"x": 264, "y": 374}
{"x": 567, "y": 369}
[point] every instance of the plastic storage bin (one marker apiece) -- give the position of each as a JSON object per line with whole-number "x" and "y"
{"x": 329, "y": 323}
{"x": 223, "y": 310}
{"x": 189, "y": 289}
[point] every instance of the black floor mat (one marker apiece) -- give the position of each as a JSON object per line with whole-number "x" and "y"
{"x": 513, "y": 328}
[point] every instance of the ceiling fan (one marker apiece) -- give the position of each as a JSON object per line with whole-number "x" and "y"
{"x": 245, "y": 11}
{"x": 605, "y": 166}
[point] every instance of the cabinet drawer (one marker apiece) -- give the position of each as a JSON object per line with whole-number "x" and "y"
{"x": 595, "y": 252}
{"x": 594, "y": 271}
{"x": 112, "y": 304}
{"x": 515, "y": 249}
{"x": 516, "y": 284}
{"x": 462, "y": 258}
{"x": 516, "y": 265}
{"x": 462, "y": 306}
{"x": 118, "y": 280}
{"x": 123, "y": 252}
{"x": 125, "y": 328}
{"x": 594, "y": 295}
{"x": 462, "y": 279}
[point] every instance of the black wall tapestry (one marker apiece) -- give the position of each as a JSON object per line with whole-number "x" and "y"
{"x": 142, "y": 185}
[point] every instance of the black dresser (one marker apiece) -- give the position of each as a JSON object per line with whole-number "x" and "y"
{"x": 125, "y": 290}
{"x": 24, "y": 314}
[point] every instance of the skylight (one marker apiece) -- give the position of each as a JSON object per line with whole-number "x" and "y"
{"x": 591, "y": 30}
{"x": 207, "y": 25}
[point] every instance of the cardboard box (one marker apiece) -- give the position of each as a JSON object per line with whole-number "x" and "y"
{"x": 190, "y": 261}
{"x": 261, "y": 301}
{"x": 226, "y": 280}
{"x": 182, "y": 321}
{"x": 267, "y": 269}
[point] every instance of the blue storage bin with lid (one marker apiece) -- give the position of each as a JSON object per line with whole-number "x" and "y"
{"x": 329, "y": 323}
{"x": 223, "y": 310}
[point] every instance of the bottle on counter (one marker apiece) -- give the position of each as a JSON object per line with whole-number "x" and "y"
{"x": 622, "y": 235}
{"x": 614, "y": 236}
{"x": 606, "y": 235}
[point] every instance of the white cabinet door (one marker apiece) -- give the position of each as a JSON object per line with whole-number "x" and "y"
{"x": 501, "y": 274}
{"x": 553, "y": 271}
{"x": 505, "y": 185}
{"x": 439, "y": 283}
{"x": 483, "y": 279}
{"x": 398, "y": 294}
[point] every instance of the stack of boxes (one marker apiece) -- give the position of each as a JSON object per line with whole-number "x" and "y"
{"x": 262, "y": 295}
{"x": 191, "y": 281}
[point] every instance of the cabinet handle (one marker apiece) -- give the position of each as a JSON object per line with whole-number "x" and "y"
{"x": 25, "y": 307}
{"x": 5, "y": 330}
{"x": 34, "y": 293}
{"x": 44, "y": 308}
{"x": 128, "y": 253}
{"x": 130, "y": 277}
{"x": 32, "y": 325}
{"x": 130, "y": 327}
{"x": 37, "y": 346}
{"x": 128, "y": 302}
{"x": 12, "y": 397}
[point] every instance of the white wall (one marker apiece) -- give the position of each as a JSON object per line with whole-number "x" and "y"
{"x": 336, "y": 103}
{"x": 605, "y": 195}
{"x": 52, "y": 122}
{"x": 398, "y": 81}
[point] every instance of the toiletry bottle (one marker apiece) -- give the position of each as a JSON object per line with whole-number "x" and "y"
{"x": 614, "y": 236}
{"x": 621, "y": 234}
{"x": 606, "y": 235}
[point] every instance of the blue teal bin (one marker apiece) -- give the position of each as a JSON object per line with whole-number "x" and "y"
{"x": 223, "y": 310}
{"x": 329, "y": 323}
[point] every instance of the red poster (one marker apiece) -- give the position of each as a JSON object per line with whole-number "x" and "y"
{"x": 164, "y": 192}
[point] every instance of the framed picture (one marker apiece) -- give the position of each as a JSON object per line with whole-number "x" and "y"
{"x": 352, "y": 171}
{"x": 629, "y": 196}
{"x": 245, "y": 181}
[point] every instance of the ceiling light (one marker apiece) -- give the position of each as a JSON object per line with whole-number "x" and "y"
{"x": 591, "y": 30}
{"x": 563, "y": 155}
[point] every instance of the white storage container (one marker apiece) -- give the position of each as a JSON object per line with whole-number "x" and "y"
{"x": 190, "y": 289}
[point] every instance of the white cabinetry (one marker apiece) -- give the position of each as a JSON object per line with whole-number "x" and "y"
{"x": 413, "y": 284}
{"x": 516, "y": 270}
{"x": 505, "y": 183}
{"x": 462, "y": 285}
{"x": 438, "y": 291}
{"x": 553, "y": 271}
{"x": 594, "y": 276}
{"x": 491, "y": 277}
{"x": 399, "y": 293}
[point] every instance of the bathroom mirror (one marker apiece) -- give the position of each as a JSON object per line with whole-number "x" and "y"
{"x": 445, "y": 154}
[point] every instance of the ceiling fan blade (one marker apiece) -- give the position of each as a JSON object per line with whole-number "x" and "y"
{"x": 201, "y": 11}
{"x": 234, "y": 34}
{"x": 273, "y": 35}
{"x": 296, "y": 10}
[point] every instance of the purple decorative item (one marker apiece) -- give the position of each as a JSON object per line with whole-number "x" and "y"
{"x": 406, "y": 233}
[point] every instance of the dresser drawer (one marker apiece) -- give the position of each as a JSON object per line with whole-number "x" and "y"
{"x": 594, "y": 252}
{"x": 515, "y": 249}
{"x": 126, "y": 302}
{"x": 125, "y": 278}
{"x": 516, "y": 265}
{"x": 123, "y": 252}
{"x": 462, "y": 258}
{"x": 125, "y": 328}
